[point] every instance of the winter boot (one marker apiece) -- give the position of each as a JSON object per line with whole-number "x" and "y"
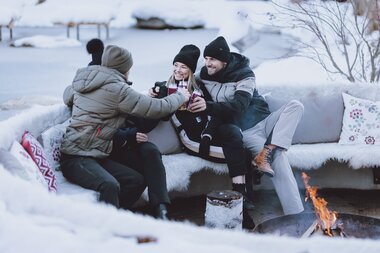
{"x": 247, "y": 203}
{"x": 248, "y": 222}
{"x": 263, "y": 161}
{"x": 161, "y": 212}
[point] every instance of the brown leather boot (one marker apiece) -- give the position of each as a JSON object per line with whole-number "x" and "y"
{"x": 263, "y": 161}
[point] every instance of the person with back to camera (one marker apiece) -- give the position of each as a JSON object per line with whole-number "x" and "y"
{"x": 132, "y": 148}
{"x": 101, "y": 99}
{"x": 234, "y": 98}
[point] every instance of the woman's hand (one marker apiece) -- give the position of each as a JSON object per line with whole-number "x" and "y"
{"x": 141, "y": 137}
{"x": 198, "y": 105}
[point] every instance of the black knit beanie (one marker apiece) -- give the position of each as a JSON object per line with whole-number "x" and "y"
{"x": 218, "y": 49}
{"x": 188, "y": 55}
{"x": 95, "y": 47}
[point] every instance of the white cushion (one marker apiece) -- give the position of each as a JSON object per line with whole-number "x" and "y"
{"x": 361, "y": 121}
{"x": 11, "y": 164}
{"x": 31, "y": 168}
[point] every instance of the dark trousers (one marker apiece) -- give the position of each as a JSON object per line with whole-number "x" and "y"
{"x": 146, "y": 159}
{"x": 230, "y": 138}
{"x": 227, "y": 136}
{"x": 117, "y": 184}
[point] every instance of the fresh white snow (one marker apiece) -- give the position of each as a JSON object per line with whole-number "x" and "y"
{"x": 33, "y": 220}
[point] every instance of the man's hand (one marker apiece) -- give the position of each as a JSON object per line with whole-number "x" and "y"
{"x": 198, "y": 105}
{"x": 141, "y": 137}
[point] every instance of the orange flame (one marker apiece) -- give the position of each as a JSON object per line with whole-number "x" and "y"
{"x": 326, "y": 218}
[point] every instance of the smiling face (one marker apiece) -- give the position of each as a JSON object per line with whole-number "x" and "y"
{"x": 213, "y": 65}
{"x": 180, "y": 71}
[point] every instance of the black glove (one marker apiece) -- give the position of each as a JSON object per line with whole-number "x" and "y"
{"x": 204, "y": 146}
{"x": 125, "y": 136}
{"x": 160, "y": 89}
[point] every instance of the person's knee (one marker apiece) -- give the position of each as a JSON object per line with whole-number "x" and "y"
{"x": 230, "y": 132}
{"x": 111, "y": 186}
{"x": 296, "y": 105}
{"x": 139, "y": 180}
{"x": 149, "y": 150}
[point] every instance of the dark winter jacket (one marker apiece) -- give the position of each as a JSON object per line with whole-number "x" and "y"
{"x": 192, "y": 123}
{"x": 126, "y": 136}
{"x": 231, "y": 94}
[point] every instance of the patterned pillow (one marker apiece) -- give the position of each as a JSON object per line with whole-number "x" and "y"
{"x": 361, "y": 121}
{"x": 51, "y": 141}
{"x": 35, "y": 150}
{"x": 32, "y": 173}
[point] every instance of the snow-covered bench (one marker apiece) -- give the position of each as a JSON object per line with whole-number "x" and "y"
{"x": 330, "y": 164}
{"x": 71, "y": 14}
{"x": 316, "y": 148}
{"x": 319, "y": 143}
{"x": 168, "y": 15}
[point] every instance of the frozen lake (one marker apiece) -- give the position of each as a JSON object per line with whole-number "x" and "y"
{"x": 34, "y": 75}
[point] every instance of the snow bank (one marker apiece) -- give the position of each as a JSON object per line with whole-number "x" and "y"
{"x": 33, "y": 220}
{"x": 44, "y": 41}
{"x": 34, "y": 120}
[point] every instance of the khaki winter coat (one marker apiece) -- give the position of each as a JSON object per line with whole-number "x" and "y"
{"x": 101, "y": 100}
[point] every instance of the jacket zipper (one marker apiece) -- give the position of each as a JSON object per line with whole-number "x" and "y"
{"x": 217, "y": 94}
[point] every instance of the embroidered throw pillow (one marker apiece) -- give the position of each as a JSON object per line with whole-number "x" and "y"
{"x": 51, "y": 141}
{"x": 31, "y": 170}
{"x": 35, "y": 150}
{"x": 361, "y": 121}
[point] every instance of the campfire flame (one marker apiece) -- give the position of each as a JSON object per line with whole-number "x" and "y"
{"x": 325, "y": 217}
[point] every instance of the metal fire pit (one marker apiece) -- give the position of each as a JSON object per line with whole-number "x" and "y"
{"x": 296, "y": 225}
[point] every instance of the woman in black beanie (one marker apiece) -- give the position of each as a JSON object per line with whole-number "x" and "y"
{"x": 184, "y": 66}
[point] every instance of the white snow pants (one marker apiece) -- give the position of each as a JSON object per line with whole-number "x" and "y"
{"x": 283, "y": 122}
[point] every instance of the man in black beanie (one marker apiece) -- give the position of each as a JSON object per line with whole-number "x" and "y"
{"x": 246, "y": 122}
{"x": 95, "y": 47}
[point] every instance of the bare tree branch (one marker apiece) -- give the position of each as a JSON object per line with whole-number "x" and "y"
{"x": 345, "y": 45}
